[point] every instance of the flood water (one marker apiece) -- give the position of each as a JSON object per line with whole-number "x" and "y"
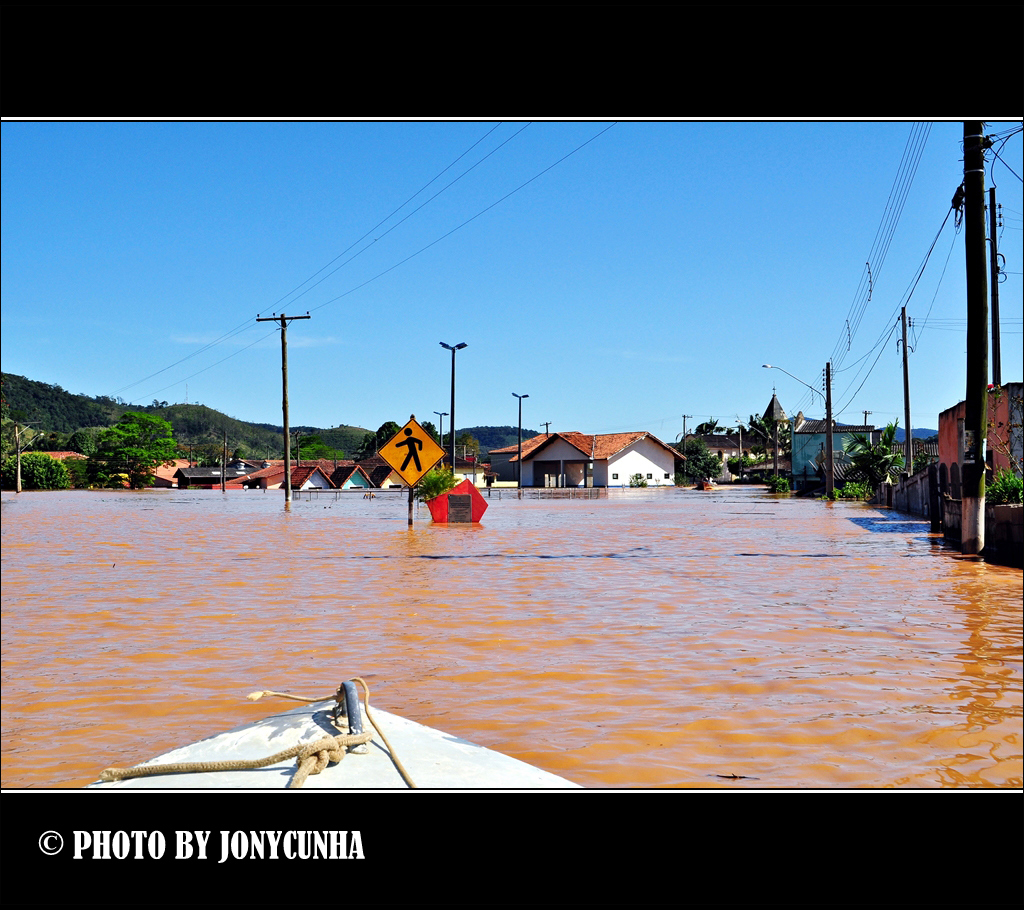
{"x": 651, "y": 638}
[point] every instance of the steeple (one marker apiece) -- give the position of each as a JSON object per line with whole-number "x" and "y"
{"x": 774, "y": 413}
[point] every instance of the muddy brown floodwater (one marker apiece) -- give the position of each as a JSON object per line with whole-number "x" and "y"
{"x": 650, "y": 638}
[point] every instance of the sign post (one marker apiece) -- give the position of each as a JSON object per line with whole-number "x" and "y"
{"x": 411, "y": 452}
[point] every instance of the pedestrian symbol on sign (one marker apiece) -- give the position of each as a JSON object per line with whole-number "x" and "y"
{"x": 413, "y": 444}
{"x": 412, "y": 452}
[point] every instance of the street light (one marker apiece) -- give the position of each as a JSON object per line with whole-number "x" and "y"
{"x": 451, "y": 431}
{"x": 440, "y": 430}
{"x": 768, "y": 366}
{"x": 519, "y": 462}
{"x": 830, "y": 471}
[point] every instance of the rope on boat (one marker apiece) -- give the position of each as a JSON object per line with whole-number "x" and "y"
{"x": 311, "y": 758}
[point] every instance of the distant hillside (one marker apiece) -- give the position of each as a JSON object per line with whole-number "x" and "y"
{"x": 496, "y": 437}
{"x": 57, "y": 414}
{"x": 901, "y": 434}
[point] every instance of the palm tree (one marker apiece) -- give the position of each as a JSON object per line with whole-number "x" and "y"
{"x": 880, "y": 463}
{"x": 708, "y": 428}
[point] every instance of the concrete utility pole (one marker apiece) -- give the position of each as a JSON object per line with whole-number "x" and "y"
{"x": 284, "y": 320}
{"x": 830, "y": 465}
{"x": 908, "y": 467}
{"x": 993, "y": 253}
{"x": 972, "y": 514}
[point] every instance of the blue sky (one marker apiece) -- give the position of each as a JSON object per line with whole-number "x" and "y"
{"x": 620, "y": 274}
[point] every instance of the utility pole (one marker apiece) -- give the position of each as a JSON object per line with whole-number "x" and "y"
{"x": 972, "y": 514}
{"x": 547, "y": 427}
{"x": 909, "y": 459}
{"x": 224, "y": 463}
{"x": 830, "y": 468}
{"x": 993, "y": 253}
{"x": 866, "y": 417}
{"x": 284, "y": 320}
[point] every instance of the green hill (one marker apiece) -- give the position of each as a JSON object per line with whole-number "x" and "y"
{"x": 57, "y": 414}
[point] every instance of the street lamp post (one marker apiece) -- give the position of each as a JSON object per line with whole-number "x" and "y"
{"x": 519, "y": 461}
{"x": 830, "y": 470}
{"x": 440, "y": 429}
{"x": 451, "y": 431}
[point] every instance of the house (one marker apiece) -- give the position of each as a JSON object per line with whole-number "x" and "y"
{"x": 304, "y": 477}
{"x": 1003, "y": 449}
{"x": 808, "y": 463}
{"x": 381, "y": 474}
{"x": 350, "y": 476}
{"x": 164, "y": 475}
{"x": 210, "y": 477}
{"x": 505, "y": 459}
{"x": 600, "y": 460}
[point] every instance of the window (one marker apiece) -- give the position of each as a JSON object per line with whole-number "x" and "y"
{"x": 615, "y": 476}
{"x": 666, "y": 477}
{"x": 650, "y": 477}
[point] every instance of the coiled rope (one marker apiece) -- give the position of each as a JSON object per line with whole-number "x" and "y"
{"x": 311, "y": 758}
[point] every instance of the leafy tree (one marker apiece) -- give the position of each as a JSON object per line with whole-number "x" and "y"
{"x": 38, "y": 472}
{"x": 135, "y": 447}
{"x": 762, "y": 435}
{"x": 700, "y": 464}
{"x": 879, "y": 463}
{"x": 83, "y": 442}
{"x": 637, "y": 480}
{"x": 385, "y": 432}
{"x": 466, "y": 439}
{"x": 368, "y": 446}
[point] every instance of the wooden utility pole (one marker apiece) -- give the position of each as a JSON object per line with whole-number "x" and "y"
{"x": 284, "y": 320}
{"x": 972, "y": 515}
{"x": 908, "y": 467}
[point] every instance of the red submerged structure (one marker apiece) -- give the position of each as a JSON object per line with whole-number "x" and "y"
{"x": 462, "y": 504}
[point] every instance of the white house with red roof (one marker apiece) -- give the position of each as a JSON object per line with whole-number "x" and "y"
{"x": 585, "y": 460}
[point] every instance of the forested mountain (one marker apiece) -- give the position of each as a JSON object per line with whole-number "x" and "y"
{"x": 57, "y": 414}
{"x": 495, "y": 437}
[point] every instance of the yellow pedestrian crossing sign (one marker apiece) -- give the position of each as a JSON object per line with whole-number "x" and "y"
{"x": 412, "y": 451}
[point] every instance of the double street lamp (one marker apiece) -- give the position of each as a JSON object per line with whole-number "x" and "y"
{"x": 440, "y": 429}
{"x": 451, "y": 431}
{"x": 519, "y": 461}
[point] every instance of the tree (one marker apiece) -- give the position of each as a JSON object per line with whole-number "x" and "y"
{"x": 708, "y": 428}
{"x": 135, "y": 447}
{"x": 385, "y": 432}
{"x": 83, "y": 442}
{"x": 700, "y": 464}
{"x": 38, "y": 472}
{"x": 879, "y": 463}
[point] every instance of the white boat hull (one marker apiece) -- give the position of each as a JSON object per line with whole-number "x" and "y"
{"x": 432, "y": 759}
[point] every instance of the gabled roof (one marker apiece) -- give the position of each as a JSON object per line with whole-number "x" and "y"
{"x": 600, "y": 446}
{"x": 528, "y": 446}
{"x": 809, "y": 427}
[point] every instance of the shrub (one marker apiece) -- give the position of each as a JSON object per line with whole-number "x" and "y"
{"x": 1005, "y": 489}
{"x": 38, "y": 472}
{"x": 637, "y": 480}
{"x": 435, "y": 482}
{"x": 777, "y": 484}
{"x": 853, "y": 490}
